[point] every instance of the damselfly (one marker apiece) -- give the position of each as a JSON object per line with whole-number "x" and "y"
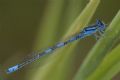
{"x": 99, "y": 27}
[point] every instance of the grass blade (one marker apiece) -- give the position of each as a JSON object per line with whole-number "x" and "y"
{"x": 55, "y": 60}
{"x": 46, "y": 35}
{"x": 109, "y": 67}
{"x": 100, "y": 50}
{"x": 47, "y": 32}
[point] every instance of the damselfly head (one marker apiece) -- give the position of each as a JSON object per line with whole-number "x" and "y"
{"x": 101, "y": 25}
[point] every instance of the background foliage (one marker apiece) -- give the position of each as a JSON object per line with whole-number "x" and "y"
{"x": 29, "y": 25}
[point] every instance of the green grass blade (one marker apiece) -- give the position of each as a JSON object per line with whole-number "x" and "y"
{"x": 100, "y": 50}
{"x": 68, "y": 59}
{"x": 46, "y": 35}
{"x": 49, "y": 24}
{"x": 83, "y": 19}
{"x": 109, "y": 67}
{"x": 62, "y": 56}
{"x": 71, "y": 11}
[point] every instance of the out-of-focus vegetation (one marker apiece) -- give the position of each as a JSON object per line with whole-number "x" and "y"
{"x": 30, "y": 25}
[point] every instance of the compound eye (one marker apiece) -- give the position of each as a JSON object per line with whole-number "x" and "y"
{"x": 99, "y": 23}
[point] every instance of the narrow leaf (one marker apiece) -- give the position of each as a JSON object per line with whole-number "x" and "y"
{"x": 104, "y": 45}
{"x": 109, "y": 67}
{"x": 55, "y": 63}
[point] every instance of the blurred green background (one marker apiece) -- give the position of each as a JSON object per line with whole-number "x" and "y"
{"x": 28, "y": 25}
